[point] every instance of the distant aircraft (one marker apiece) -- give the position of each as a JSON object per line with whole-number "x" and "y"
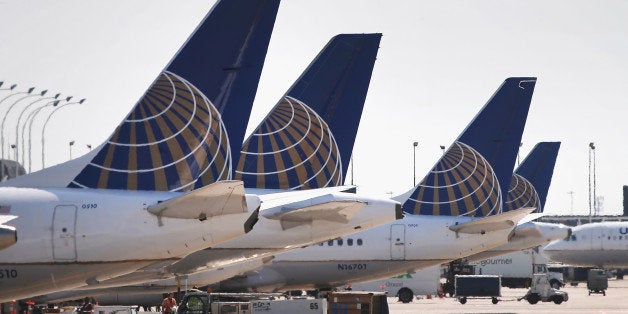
{"x": 454, "y": 212}
{"x": 119, "y": 208}
{"x": 528, "y": 188}
{"x": 600, "y": 244}
{"x": 304, "y": 151}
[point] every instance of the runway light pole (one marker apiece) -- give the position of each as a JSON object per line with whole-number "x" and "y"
{"x": 28, "y": 94}
{"x": 7, "y": 88}
{"x": 71, "y": 144}
{"x": 571, "y": 194}
{"x": 19, "y": 118}
{"x": 591, "y": 152}
{"x": 29, "y": 120}
{"x": 415, "y": 144}
{"x": 43, "y": 129}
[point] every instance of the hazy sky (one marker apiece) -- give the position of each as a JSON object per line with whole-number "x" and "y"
{"x": 439, "y": 62}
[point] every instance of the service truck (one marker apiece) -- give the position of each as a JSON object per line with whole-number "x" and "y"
{"x": 518, "y": 268}
{"x": 405, "y": 286}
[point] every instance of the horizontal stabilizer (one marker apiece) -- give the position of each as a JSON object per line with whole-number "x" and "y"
{"x": 6, "y": 218}
{"x": 333, "y": 211}
{"x": 493, "y": 223}
{"x": 220, "y": 198}
{"x": 530, "y": 217}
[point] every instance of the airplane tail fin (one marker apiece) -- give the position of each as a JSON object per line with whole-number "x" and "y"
{"x": 184, "y": 131}
{"x": 466, "y": 180}
{"x": 533, "y": 177}
{"x": 307, "y": 139}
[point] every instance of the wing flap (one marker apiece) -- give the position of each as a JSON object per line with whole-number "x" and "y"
{"x": 332, "y": 211}
{"x": 220, "y": 198}
{"x": 493, "y": 223}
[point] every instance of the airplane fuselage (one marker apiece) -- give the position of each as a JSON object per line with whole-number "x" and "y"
{"x": 410, "y": 244}
{"x": 70, "y": 237}
{"x": 603, "y": 244}
{"x": 250, "y": 251}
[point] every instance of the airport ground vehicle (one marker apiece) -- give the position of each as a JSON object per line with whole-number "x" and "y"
{"x": 517, "y": 269}
{"x": 198, "y": 302}
{"x": 357, "y": 302}
{"x": 541, "y": 290}
{"x": 405, "y": 286}
{"x": 597, "y": 281}
{"x": 478, "y": 286}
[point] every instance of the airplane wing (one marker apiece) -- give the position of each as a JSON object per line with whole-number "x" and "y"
{"x": 8, "y": 234}
{"x": 493, "y": 223}
{"x": 220, "y": 198}
{"x": 333, "y": 211}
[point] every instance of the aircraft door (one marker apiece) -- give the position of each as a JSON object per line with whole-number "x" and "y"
{"x": 63, "y": 233}
{"x": 398, "y": 242}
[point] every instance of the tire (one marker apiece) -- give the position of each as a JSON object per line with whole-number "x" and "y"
{"x": 463, "y": 300}
{"x": 534, "y": 298}
{"x": 558, "y": 300}
{"x": 604, "y": 292}
{"x": 405, "y": 295}
{"x": 494, "y": 300}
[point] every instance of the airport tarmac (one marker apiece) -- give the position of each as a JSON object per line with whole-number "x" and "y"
{"x": 615, "y": 301}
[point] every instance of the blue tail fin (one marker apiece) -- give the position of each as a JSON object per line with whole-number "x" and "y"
{"x": 307, "y": 138}
{"x": 466, "y": 180}
{"x": 533, "y": 177}
{"x": 185, "y": 130}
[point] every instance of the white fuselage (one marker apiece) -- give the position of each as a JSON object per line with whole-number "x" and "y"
{"x": 410, "y": 244}
{"x": 251, "y": 250}
{"x": 70, "y": 237}
{"x": 527, "y": 235}
{"x": 603, "y": 244}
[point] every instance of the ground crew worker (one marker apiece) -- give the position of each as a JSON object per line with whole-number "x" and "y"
{"x": 87, "y": 307}
{"x": 168, "y": 304}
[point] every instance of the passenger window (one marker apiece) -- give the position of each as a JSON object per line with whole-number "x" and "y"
{"x": 359, "y": 241}
{"x": 349, "y": 242}
{"x": 339, "y": 242}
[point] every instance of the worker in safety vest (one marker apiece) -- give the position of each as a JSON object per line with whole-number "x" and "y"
{"x": 168, "y": 304}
